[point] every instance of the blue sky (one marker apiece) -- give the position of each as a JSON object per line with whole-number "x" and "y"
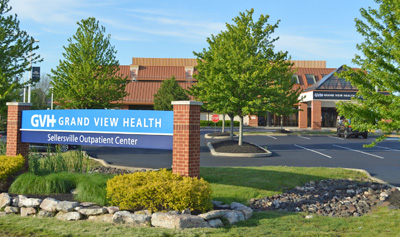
{"x": 309, "y": 29}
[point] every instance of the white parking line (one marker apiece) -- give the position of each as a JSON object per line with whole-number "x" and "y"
{"x": 388, "y": 148}
{"x": 392, "y": 139}
{"x": 380, "y": 157}
{"x": 322, "y": 154}
{"x": 305, "y": 137}
{"x": 272, "y": 137}
{"x": 336, "y": 137}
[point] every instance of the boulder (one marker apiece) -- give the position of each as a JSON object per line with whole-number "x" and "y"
{"x": 69, "y": 216}
{"x": 247, "y": 211}
{"x": 49, "y": 204}
{"x": 125, "y": 217}
{"x": 66, "y": 206}
{"x": 43, "y": 213}
{"x": 107, "y": 218}
{"x": 5, "y": 200}
{"x": 93, "y": 211}
{"x": 173, "y": 221}
{"x": 112, "y": 209}
{"x": 28, "y": 202}
{"x": 28, "y": 211}
{"x": 234, "y": 216}
{"x": 213, "y": 214}
{"x": 10, "y": 209}
{"x": 215, "y": 223}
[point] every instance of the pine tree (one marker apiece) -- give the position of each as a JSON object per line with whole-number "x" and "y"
{"x": 169, "y": 91}
{"x": 88, "y": 76}
{"x": 380, "y": 71}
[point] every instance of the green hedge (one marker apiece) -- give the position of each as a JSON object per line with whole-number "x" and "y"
{"x": 205, "y": 123}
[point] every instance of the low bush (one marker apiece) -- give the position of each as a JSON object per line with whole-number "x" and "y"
{"x": 3, "y": 148}
{"x": 159, "y": 191}
{"x": 10, "y": 165}
{"x": 205, "y": 123}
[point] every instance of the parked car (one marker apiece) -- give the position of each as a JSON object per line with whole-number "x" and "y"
{"x": 344, "y": 129}
{"x": 52, "y": 147}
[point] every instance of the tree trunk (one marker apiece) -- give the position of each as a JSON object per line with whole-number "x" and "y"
{"x": 231, "y": 126}
{"x": 223, "y": 123}
{"x": 241, "y": 131}
{"x": 281, "y": 122}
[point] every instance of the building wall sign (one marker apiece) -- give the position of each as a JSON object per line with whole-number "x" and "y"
{"x": 333, "y": 95}
{"x": 121, "y": 128}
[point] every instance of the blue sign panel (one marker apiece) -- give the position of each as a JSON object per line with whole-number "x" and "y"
{"x": 123, "y": 128}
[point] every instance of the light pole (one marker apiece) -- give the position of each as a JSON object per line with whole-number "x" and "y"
{"x": 30, "y": 75}
{"x": 52, "y": 94}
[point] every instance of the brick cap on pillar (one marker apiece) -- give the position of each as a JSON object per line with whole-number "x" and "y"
{"x": 18, "y": 104}
{"x": 186, "y": 102}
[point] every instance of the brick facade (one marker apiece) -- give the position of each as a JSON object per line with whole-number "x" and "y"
{"x": 316, "y": 114}
{"x": 253, "y": 121}
{"x": 14, "y": 145}
{"x": 186, "y": 138}
{"x": 303, "y": 115}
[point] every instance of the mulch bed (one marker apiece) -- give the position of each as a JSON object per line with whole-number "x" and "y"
{"x": 282, "y": 131}
{"x": 231, "y": 146}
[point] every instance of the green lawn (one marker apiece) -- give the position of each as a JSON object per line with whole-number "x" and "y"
{"x": 235, "y": 184}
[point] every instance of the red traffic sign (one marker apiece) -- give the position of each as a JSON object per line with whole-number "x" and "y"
{"x": 215, "y": 118}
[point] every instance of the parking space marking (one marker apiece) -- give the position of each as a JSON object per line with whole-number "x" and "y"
{"x": 336, "y": 137}
{"x": 380, "y": 157}
{"x": 272, "y": 137}
{"x": 388, "y": 148}
{"x": 392, "y": 139}
{"x": 305, "y": 137}
{"x": 322, "y": 154}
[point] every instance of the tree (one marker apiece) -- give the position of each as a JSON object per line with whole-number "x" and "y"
{"x": 16, "y": 46}
{"x": 239, "y": 72}
{"x": 88, "y": 76}
{"x": 380, "y": 71}
{"x": 169, "y": 91}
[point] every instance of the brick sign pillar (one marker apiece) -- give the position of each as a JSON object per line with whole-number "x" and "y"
{"x": 14, "y": 145}
{"x": 303, "y": 115}
{"x": 316, "y": 114}
{"x": 186, "y": 138}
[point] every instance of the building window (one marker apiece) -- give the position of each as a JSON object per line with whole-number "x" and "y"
{"x": 310, "y": 79}
{"x": 295, "y": 79}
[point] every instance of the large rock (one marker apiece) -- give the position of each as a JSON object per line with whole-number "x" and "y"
{"x": 66, "y": 206}
{"x": 43, "y": 213}
{"x": 10, "y": 209}
{"x": 247, "y": 211}
{"x": 215, "y": 223}
{"x": 107, "y": 218}
{"x": 28, "y": 202}
{"x": 234, "y": 216}
{"x": 213, "y": 214}
{"x": 49, "y": 204}
{"x": 5, "y": 200}
{"x": 112, "y": 209}
{"x": 69, "y": 216}
{"x": 173, "y": 221}
{"x": 28, "y": 211}
{"x": 93, "y": 211}
{"x": 125, "y": 217}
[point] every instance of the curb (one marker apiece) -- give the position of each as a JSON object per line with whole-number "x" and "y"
{"x": 219, "y": 137}
{"x": 244, "y": 155}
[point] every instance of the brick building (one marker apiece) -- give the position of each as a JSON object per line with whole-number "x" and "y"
{"x": 321, "y": 89}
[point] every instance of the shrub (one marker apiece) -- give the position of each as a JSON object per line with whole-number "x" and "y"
{"x": 9, "y": 165}
{"x": 159, "y": 191}
{"x": 2, "y": 148}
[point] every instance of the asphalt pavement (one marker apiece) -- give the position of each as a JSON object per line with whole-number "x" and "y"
{"x": 382, "y": 161}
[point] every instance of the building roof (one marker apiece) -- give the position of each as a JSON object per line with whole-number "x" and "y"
{"x": 160, "y": 73}
{"x": 164, "y": 61}
{"x": 318, "y": 73}
{"x": 332, "y": 82}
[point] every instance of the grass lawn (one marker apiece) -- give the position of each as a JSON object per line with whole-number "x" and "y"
{"x": 235, "y": 184}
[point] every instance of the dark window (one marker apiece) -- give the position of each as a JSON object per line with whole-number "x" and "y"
{"x": 310, "y": 79}
{"x": 295, "y": 79}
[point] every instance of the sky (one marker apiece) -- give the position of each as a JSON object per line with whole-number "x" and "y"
{"x": 308, "y": 29}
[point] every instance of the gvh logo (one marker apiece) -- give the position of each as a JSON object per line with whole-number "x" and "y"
{"x": 38, "y": 120}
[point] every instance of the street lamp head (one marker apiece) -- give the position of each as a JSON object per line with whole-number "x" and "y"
{"x": 36, "y": 40}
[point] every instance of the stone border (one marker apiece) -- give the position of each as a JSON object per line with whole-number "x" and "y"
{"x": 245, "y": 155}
{"x": 74, "y": 211}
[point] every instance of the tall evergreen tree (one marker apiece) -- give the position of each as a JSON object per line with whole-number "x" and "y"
{"x": 169, "y": 91}
{"x": 239, "y": 73}
{"x": 88, "y": 76}
{"x": 16, "y": 46}
{"x": 380, "y": 71}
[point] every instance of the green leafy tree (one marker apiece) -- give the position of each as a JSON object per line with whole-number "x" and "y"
{"x": 380, "y": 71}
{"x": 41, "y": 94}
{"x": 169, "y": 91}
{"x": 16, "y": 46}
{"x": 239, "y": 72}
{"x": 88, "y": 76}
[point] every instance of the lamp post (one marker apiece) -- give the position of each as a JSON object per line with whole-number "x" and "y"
{"x": 30, "y": 75}
{"x": 52, "y": 94}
